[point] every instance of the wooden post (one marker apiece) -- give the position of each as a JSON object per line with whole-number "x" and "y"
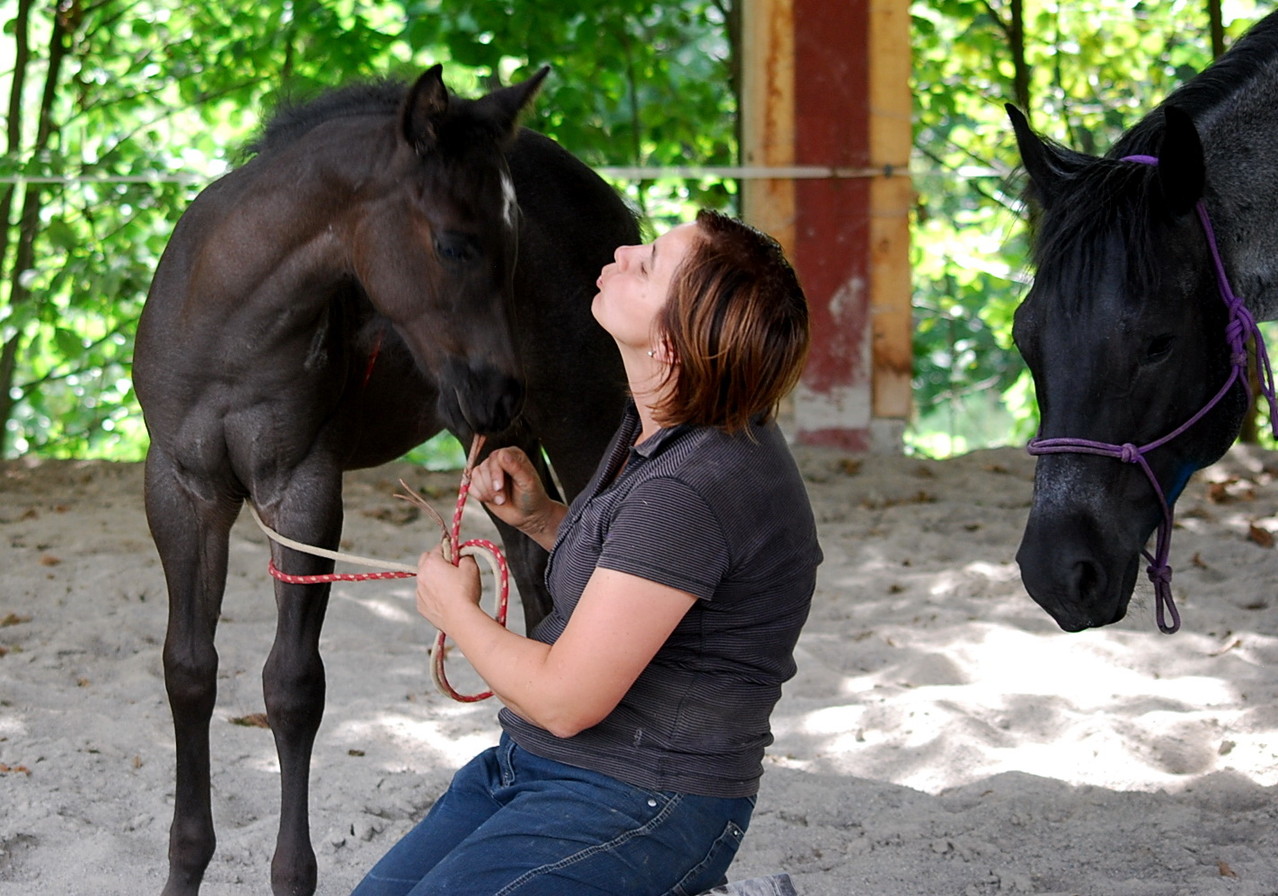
{"x": 767, "y": 115}
{"x": 891, "y": 197}
{"x": 826, "y": 83}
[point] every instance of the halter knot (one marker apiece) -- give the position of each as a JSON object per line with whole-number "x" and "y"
{"x": 1128, "y": 453}
{"x": 1234, "y": 331}
{"x": 1238, "y": 309}
{"x": 1160, "y": 575}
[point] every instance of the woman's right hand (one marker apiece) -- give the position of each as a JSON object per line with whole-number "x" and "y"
{"x": 510, "y": 488}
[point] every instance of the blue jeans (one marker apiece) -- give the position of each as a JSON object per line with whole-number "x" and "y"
{"x": 514, "y": 823}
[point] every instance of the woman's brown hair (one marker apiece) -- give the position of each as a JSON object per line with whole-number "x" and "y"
{"x": 736, "y": 326}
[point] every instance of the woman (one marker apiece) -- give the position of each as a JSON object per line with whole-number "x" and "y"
{"x": 636, "y": 715}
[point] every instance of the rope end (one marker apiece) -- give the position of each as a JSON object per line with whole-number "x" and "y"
{"x": 1164, "y": 604}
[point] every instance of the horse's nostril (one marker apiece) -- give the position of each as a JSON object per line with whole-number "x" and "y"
{"x": 1086, "y": 580}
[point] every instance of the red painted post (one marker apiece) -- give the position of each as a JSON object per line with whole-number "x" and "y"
{"x": 842, "y": 102}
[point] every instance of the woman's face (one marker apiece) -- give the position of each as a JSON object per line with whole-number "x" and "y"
{"x": 633, "y": 289}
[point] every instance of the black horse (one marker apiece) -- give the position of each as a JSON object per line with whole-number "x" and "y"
{"x": 394, "y": 261}
{"x": 1133, "y": 331}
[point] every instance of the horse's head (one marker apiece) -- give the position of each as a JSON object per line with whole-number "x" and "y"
{"x": 1123, "y": 332}
{"x": 437, "y": 246}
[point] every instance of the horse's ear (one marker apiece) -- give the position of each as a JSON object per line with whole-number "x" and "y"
{"x": 1181, "y": 171}
{"x": 504, "y": 105}
{"x": 425, "y": 105}
{"x": 1046, "y": 163}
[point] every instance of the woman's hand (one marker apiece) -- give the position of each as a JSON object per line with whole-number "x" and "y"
{"x": 510, "y": 488}
{"x": 443, "y": 588}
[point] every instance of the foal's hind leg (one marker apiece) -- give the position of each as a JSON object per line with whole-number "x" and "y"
{"x": 307, "y": 508}
{"x": 190, "y": 519}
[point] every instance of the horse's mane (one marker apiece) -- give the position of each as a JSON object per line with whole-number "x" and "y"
{"x": 291, "y": 118}
{"x": 1251, "y": 58}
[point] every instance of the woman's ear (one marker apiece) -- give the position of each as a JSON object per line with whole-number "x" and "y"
{"x": 663, "y": 354}
{"x": 662, "y": 351}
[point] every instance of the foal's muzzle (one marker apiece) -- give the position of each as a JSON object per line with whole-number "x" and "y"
{"x": 479, "y": 398}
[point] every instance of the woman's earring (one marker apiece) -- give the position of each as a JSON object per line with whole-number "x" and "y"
{"x": 651, "y": 353}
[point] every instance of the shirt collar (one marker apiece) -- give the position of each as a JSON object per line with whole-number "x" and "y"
{"x": 652, "y": 445}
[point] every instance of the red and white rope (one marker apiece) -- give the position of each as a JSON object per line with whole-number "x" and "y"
{"x": 454, "y": 550}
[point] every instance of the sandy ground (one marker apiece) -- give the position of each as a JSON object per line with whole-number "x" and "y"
{"x": 942, "y": 736}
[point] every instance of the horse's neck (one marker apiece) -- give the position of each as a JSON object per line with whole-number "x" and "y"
{"x": 1243, "y": 203}
{"x": 1247, "y": 233}
{"x": 301, "y": 250}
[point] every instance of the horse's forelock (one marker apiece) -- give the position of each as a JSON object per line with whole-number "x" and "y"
{"x": 1107, "y": 204}
{"x": 471, "y": 128}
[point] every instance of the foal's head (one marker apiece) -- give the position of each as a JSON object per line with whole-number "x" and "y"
{"x": 436, "y": 246}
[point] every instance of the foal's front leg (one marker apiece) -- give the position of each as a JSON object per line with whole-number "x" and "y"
{"x": 190, "y": 518}
{"x": 293, "y": 682}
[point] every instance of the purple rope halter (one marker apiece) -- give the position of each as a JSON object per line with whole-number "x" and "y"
{"x": 1241, "y": 325}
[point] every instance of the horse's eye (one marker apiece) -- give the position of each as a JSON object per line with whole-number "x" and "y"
{"x": 455, "y": 247}
{"x": 1159, "y": 348}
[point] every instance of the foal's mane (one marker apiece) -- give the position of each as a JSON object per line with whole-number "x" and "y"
{"x": 1103, "y": 198}
{"x": 292, "y": 119}
{"x": 466, "y": 125}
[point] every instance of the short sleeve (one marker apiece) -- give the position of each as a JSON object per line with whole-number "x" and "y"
{"x": 665, "y": 532}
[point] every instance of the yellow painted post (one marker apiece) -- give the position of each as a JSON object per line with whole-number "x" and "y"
{"x": 891, "y": 139}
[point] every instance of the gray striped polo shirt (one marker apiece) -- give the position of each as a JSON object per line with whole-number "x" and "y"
{"x": 723, "y": 517}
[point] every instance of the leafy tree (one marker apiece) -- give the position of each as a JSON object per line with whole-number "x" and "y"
{"x": 120, "y": 111}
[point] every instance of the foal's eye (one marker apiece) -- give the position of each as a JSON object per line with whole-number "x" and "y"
{"x": 455, "y": 247}
{"x": 1159, "y": 348}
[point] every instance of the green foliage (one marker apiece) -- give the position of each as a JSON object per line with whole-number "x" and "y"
{"x": 153, "y": 100}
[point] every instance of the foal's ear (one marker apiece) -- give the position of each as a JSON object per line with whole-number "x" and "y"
{"x": 503, "y": 106}
{"x": 425, "y": 105}
{"x": 1047, "y": 163}
{"x": 1181, "y": 171}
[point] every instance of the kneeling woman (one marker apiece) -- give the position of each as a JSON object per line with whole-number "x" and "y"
{"x": 636, "y": 715}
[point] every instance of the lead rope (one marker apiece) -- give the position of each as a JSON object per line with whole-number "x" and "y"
{"x": 1241, "y": 325}
{"x": 454, "y": 550}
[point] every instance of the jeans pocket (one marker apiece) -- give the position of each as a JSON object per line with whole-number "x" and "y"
{"x": 710, "y": 871}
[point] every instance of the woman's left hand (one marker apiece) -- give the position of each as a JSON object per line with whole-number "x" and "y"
{"x": 443, "y": 588}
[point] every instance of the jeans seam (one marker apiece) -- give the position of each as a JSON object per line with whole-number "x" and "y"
{"x": 589, "y": 851}
{"x": 506, "y": 763}
{"x": 732, "y": 833}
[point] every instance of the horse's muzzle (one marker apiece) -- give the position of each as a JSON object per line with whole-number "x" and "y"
{"x": 1078, "y": 589}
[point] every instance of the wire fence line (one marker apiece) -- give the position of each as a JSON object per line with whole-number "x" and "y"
{"x": 632, "y": 173}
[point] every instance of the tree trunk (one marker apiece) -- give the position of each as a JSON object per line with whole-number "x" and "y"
{"x": 28, "y": 223}
{"x": 1216, "y": 22}
{"x": 1020, "y": 66}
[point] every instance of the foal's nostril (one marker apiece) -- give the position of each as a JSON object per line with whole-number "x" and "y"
{"x": 510, "y": 402}
{"x": 497, "y": 401}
